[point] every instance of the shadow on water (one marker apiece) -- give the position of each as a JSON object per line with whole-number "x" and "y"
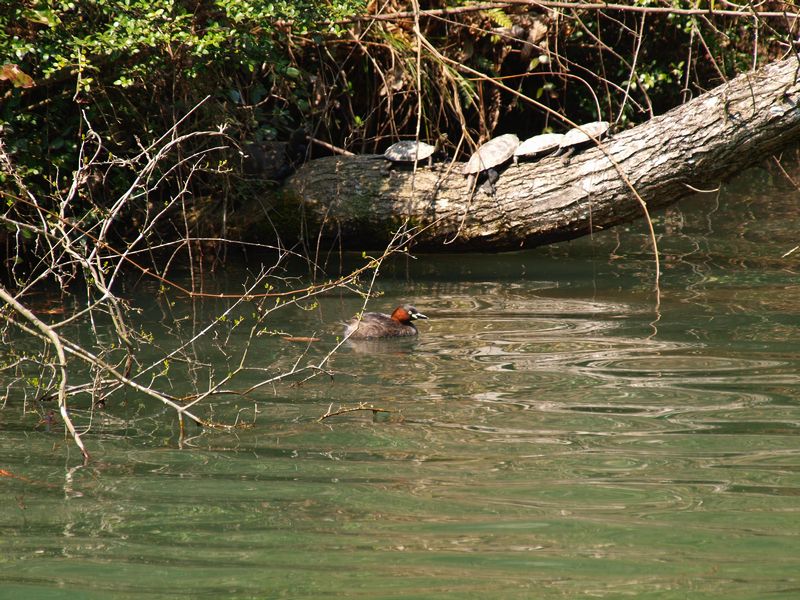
{"x": 549, "y": 435}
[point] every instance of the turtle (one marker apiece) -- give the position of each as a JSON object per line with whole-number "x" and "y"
{"x": 538, "y": 145}
{"x": 409, "y": 151}
{"x": 490, "y": 155}
{"x": 578, "y": 136}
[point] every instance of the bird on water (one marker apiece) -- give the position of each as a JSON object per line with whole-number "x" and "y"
{"x": 380, "y": 325}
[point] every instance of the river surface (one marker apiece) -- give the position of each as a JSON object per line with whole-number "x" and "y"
{"x": 555, "y": 432}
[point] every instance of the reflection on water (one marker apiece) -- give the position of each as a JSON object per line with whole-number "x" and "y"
{"x": 550, "y": 434}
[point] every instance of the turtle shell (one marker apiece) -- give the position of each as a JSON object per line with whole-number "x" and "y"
{"x": 576, "y": 137}
{"x": 409, "y": 151}
{"x": 539, "y": 144}
{"x": 493, "y": 153}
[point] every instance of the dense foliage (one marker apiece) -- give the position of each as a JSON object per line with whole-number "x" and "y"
{"x": 130, "y": 69}
{"x": 135, "y": 66}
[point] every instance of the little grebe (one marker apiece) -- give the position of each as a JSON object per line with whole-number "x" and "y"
{"x": 378, "y": 325}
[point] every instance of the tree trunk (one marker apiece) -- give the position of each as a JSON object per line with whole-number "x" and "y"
{"x": 695, "y": 145}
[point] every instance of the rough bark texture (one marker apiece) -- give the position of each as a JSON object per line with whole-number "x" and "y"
{"x": 698, "y": 144}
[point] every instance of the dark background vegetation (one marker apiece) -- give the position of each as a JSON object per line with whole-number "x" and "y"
{"x": 130, "y": 70}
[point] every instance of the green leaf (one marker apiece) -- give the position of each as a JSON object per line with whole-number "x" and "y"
{"x": 499, "y": 17}
{"x": 45, "y": 16}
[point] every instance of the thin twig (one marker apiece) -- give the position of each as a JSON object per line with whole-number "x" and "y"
{"x": 56, "y": 341}
{"x": 344, "y": 410}
{"x": 656, "y": 10}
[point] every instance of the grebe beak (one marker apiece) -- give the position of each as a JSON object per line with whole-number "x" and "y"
{"x": 418, "y": 315}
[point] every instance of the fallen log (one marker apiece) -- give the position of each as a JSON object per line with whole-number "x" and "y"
{"x": 693, "y": 146}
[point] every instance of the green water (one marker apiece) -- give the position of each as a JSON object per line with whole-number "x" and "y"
{"x": 553, "y": 433}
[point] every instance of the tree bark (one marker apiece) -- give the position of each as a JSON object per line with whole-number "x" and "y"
{"x": 693, "y": 146}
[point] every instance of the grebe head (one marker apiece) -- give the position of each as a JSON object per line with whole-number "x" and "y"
{"x": 406, "y": 314}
